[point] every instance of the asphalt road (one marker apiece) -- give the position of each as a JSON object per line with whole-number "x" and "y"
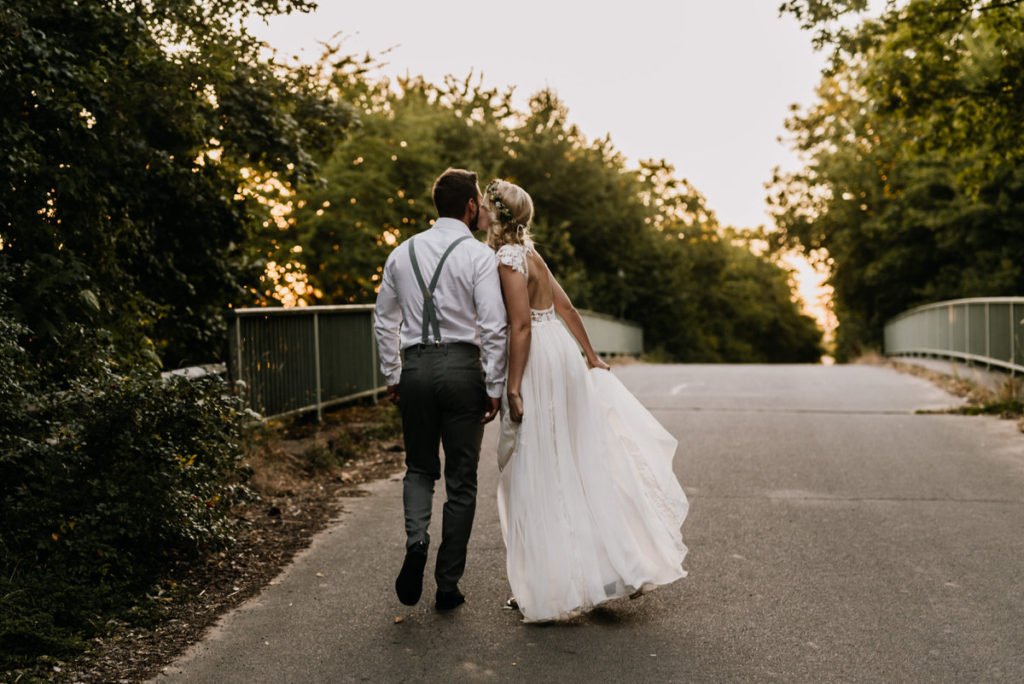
{"x": 834, "y": 536}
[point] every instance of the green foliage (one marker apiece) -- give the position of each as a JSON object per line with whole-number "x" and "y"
{"x": 1012, "y": 408}
{"x": 125, "y": 129}
{"x": 632, "y": 242}
{"x": 825, "y": 17}
{"x": 914, "y": 187}
{"x": 104, "y": 483}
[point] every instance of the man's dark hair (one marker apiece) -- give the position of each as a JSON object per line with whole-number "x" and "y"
{"x": 452, "y": 191}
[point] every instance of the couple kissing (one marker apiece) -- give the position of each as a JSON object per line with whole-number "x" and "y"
{"x": 468, "y": 330}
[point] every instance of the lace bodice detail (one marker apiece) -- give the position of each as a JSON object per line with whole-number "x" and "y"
{"x": 513, "y": 256}
{"x": 543, "y": 315}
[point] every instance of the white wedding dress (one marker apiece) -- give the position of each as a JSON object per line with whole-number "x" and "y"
{"x": 589, "y": 505}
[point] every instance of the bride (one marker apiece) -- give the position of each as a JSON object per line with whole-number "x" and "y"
{"x": 590, "y": 508}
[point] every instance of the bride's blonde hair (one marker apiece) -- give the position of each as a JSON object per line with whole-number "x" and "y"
{"x": 511, "y": 212}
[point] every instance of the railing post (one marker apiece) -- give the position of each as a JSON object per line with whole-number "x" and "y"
{"x": 1013, "y": 343}
{"x": 238, "y": 350}
{"x": 950, "y": 322}
{"x": 373, "y": 358}
{"x": 316, "y": 355}
{"x": 967, "y": 333}
{"x": 988, "y": 341}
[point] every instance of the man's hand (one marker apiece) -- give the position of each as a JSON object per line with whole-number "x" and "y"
{"x": 490, "y": 410}
{"x": 393, "y": 394}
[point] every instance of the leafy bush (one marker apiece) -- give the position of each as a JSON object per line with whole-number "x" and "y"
{"x": 106, "y": 479}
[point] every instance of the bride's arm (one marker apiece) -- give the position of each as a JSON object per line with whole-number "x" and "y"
{"x": 517, "y": 303}
{"x": 573, "y": 321}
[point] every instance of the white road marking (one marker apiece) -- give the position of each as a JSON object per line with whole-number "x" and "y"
{"x": 680, "y": 387}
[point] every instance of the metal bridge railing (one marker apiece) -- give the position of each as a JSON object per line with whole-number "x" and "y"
{"x": 611, "y": 336}
{"x": 299, "y": 359}
{"x": 984, "y": 330}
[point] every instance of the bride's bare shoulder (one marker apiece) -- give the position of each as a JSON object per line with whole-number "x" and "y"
{"x": 534, "y": 258}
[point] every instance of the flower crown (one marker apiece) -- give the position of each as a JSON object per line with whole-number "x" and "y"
{"x": 504, "y": 213}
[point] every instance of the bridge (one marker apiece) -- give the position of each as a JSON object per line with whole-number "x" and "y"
{"x": 842, "y": 528}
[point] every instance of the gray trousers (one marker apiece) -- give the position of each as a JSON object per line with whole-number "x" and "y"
{"x": 442, "y": 398}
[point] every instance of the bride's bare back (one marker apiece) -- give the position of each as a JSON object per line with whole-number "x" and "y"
{"x": 538, "y": 282}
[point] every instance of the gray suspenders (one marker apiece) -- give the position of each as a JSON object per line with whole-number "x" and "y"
{"x": 429, "y": 311}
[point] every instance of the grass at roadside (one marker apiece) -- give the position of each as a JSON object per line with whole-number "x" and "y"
{"x": 1007, "y": 401}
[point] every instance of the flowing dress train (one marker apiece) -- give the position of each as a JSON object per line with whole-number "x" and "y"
{"x": 590, "y": 507}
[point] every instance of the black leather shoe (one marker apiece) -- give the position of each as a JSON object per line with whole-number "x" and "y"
{"x": 448, "y": 600}
{"x": 409, "y": 585}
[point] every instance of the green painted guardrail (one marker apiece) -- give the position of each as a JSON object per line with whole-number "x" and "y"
{"x": 982, "y": 330}
{"x": 300, "y": 359}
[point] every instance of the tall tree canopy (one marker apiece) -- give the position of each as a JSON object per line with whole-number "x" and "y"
{"x": 914, "y": 185}
{"x": 127, "y": 128}
{"x": 633, "y": 242}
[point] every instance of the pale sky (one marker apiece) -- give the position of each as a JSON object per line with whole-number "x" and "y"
{"x": 705, "y": 84}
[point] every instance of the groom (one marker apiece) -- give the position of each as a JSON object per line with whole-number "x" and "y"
{"x": 440, "y": 325}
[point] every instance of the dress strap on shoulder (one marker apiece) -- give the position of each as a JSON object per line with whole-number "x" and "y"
{"x": 514, "y": 256}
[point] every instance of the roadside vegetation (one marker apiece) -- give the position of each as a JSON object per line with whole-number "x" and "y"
{"x": 122, "y": 225}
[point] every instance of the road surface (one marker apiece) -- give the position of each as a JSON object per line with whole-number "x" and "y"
{"x": 834, "y": 536}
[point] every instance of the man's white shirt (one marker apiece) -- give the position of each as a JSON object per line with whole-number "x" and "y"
{"x": 467, "y": 300}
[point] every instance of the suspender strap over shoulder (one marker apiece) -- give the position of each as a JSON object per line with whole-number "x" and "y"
{"x": 430, "y": 320}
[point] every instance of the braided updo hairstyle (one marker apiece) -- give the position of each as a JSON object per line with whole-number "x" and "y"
{"x": 511, "y": 212}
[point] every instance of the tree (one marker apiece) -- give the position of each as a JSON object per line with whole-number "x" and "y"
{"x": 633, "y": 242}
{"x": 913, "y": 186}
{"x": 126, "y": 128}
